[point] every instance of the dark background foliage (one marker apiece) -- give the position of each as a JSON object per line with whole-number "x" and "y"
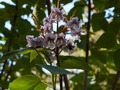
{"x": 104, "y": 50}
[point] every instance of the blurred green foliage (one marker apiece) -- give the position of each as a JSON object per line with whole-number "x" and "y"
{"x": 104, "y": 51}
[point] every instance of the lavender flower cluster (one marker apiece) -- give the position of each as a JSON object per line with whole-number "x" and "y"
{"x": 52, "y": 40}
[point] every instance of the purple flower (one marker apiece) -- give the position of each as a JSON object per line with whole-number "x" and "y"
{"x": 29, "y": 39}
{"x": 69, "y": 47}
{"x": 57, "y": 15}
{"x": 46, "y": 20}
{"x": 77, "y": 33}
{"x": 50, "y": 40}
{"x": 37, "y": 42}
{"x": 60, "y": 40}
{"x": 34, "y": 42}
{"x": 73, "y": 24}
{"x": 47, "y": 28}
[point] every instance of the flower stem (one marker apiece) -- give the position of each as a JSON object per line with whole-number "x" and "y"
{"x": 66, "y": 82}
{"x": 40, "y": 56}
{"x": 58, "y": 62}
{"x": 53, "y": 82}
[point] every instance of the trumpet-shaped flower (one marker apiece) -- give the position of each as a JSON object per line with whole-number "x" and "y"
{"x": 50, "y": 40}
{"x": 69, "y": 47}
{"x": 29, "y": 39}
{"x": 77, "y": 33}
{"x": 73, "y": 24}
{"x": 57, "y": 14}
{"x": 60, "y": 40}
{"x": 46, "y": 20}
{"x": 34, "y": 42}
{"x": 47, "y": 28}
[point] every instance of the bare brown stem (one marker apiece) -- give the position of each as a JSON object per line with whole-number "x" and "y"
{"x": 116, "y": 80}
{"x": 66, "y": 82}
{"x": 58, "y": 62}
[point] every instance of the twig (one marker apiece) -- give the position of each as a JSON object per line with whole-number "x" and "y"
{"x": 40, "y": 56}
{"x": 36, "y": 21}
{"x": 116, "y": 80}
{"x": 87, "y": 44}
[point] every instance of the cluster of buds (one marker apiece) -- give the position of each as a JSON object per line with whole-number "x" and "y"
{"x": 51, "y": 39}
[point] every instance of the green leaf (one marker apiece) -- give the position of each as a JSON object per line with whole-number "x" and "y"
{"x": 107, "y": 4}
{"x": 33, "y": 55}
{"x": 55, "y": 69}
{"x": 99, "y": 22}
{"x": 99, "y": 55}
{"x": 46, "y": 55}
{"x": 80, "y": 3}
{"x": 81, "y": 44}
{"x": 78, "y": 77}
{"x": 106, "y": 40}
{"x": 27, "y": 82}
{"x": 19, "y": 51}
{"x": 71, "y": 62}
{"x": 41, "y": 86}
{"x": 7, "y": 12}
{"x": 116, "y": 57}
{"x": 114, "y": 26}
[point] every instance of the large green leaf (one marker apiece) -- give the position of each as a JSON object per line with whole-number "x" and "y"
{"x": 106, "y": 40}
{"x": 30, "y": 3}
{"x": 33, "y": 54}
{"x": 117, "y": 59}
{"x": 55, "y": 69}
{"x": 71, "y": 62}
{"x": 78, "y": 77}
{"x": 41, "y": 86}
{"x": 27, "y": 82}
{"x": 81, "y": 44}
{"x": 19, "y": 51}
{"x": 99, "y": 22}
{"x": 7, "y": 13}
{"x": 101, "y": 5}
{"x": 80, "y": 3}
{"x": 114, "y": 26}
{"x": 99, "y": 55}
